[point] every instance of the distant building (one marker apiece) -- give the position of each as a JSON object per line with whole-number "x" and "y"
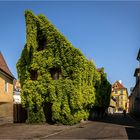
{"x": 134, "y": 98}
{"x": 120, "y": 94}
{"x": 112, "y": 106}
{"x": 6, "y": 92}
{"x": 16, "y": 93}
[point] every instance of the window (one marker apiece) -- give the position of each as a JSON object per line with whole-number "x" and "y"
{"x": 6, "y": 86}
{"x": 121, "y": 103}
{"x": 33, "y": 74}
{"x": 121, "y": 97}
{"x": 121, "y": 91}
{"x": 42, "y": 44}
{"x": 115, "y": 91}
{"x": 116, "y": 86}
{"x": 55, "y": 73}
{"x": 42, "y": 41}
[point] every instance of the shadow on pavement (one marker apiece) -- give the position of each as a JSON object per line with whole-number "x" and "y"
{"x": 119, "y": 119}
{"x": 131, "y": 126}
{"x": 133, "y": 133}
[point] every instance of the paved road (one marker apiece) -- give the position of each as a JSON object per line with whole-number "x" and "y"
{"x": 113, "y": 127}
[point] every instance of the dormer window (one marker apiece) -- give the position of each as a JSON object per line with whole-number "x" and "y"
{"x": 33, "y": 74}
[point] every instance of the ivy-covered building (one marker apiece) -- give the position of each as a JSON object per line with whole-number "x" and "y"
{"x": 57, "y": 82}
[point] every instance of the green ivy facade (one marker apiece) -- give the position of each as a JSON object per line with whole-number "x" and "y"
{"x": 57, "y": 81}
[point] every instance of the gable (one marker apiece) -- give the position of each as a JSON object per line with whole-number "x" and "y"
{"x": 118, "y": 85}
{"x": 3, "y": 66}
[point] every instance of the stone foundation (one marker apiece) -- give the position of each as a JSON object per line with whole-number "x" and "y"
{"x": 6, "y": 113}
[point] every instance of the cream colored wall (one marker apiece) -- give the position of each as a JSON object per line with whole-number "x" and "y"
{"x": 6, "y": 99}
{"x": 6, "y": 96}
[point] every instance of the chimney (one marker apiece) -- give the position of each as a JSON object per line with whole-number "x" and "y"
{"x": 120, "y": 81}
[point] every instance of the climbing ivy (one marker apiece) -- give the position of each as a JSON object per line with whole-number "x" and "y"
{"x": 103, "y": 90}
{"x": 56, "y": 75}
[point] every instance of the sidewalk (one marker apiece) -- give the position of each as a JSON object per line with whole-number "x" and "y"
{"x": 34, "y": 131}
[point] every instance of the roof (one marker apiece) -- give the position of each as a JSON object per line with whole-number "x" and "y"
{"x": 4, "y": 67}
{"x": 118, "y": 85}
{"x": 137, "y": 71}
{"x": 100, "y": 69}
{"x": 138, "y": 56}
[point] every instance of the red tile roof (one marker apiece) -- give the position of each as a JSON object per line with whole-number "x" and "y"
{"x": 4, "y": 67}
{"x": 118, "y": 85}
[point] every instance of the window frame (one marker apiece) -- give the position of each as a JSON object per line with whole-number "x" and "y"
{"x": 115, "y": 91}
{"x": 6, "y": 86}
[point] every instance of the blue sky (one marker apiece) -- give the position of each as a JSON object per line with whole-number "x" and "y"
{"x": 107, "y": 32}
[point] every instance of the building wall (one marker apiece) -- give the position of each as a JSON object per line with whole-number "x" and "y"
{"x": 112, "y": 106}
{"x": 130, "y": 104}
{"x": 135, "y": 99}
{"x": 6, "y": 99}
{"x": 138, "y": 97}
{"x": 121, "y": 97}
